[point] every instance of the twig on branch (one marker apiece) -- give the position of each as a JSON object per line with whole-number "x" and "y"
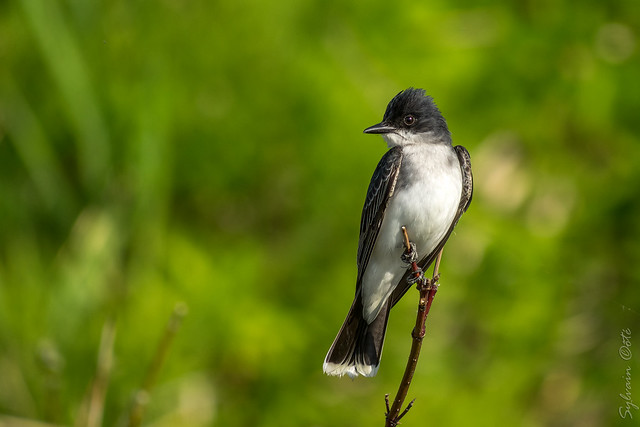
{"x": 427, "y": 289}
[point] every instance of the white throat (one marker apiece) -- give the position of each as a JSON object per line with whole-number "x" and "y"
{"x": 402, "y": 138}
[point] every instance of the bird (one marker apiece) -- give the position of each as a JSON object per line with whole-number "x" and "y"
{"x": 423, "y": 183}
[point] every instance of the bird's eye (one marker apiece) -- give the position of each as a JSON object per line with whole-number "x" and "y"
{"x": 409, "y": 120}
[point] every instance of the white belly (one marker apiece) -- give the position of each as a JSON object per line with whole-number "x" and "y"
{"x": 427, "y": 208}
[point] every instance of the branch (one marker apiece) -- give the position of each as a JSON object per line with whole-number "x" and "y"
{"x": 427, "y": 289}
{"x": 96, "y": 399}
{"x": 142, "y": 396}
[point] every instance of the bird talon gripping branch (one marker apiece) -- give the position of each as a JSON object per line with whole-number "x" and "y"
{"x": 417, "y": 276}
{"x": 409, "y": 256}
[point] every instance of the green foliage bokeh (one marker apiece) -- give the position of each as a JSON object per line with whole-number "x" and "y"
{"x": 211, "y": 154}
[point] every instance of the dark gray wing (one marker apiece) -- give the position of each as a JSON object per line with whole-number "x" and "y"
{"x": 380, "y": 190}
{"x": 467, "y": 181}
{"x": 465, "y": 200}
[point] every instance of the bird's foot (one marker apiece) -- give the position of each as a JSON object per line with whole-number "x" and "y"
{"x": 416, "y": 276}
{"x": 411, "y": 255}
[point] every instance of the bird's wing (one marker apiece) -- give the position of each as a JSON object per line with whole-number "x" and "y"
{"x": 465, "y": 199}
{"x": 467, "y": 182}
{"x": 380, "y": 191}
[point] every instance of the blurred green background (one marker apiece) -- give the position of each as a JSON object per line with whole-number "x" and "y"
{"x": 210, "y": 155}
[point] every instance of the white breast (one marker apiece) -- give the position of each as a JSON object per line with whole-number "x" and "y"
{"x": 426, "y": 206}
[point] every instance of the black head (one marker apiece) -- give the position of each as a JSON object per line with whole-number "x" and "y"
{"x": 412, "y": 111}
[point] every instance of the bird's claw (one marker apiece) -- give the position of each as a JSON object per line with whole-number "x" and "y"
{"x": 411, "y": 255}
{"x": 416, "y": 276}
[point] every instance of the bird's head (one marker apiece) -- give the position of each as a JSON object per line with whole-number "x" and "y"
{"x": 412, "y": 117}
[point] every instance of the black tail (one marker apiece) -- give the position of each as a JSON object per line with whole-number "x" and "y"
{"x": 358, "y": 346}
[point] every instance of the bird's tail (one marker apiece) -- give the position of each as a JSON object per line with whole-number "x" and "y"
{"x": 358, "y": 346}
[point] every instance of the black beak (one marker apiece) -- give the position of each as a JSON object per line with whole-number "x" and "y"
{"x": 381, "y": 127}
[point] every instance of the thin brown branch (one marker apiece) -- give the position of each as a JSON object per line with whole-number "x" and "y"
{"x": 142, "y": 396}
{"x": 436, "y": 269}
{"x": 407, "y": 242}
{"x": 96, "y": 399}
{"x": 427, "y": 289}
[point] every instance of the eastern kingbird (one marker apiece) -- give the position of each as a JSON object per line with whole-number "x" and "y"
{"x": 422, "y": 183}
